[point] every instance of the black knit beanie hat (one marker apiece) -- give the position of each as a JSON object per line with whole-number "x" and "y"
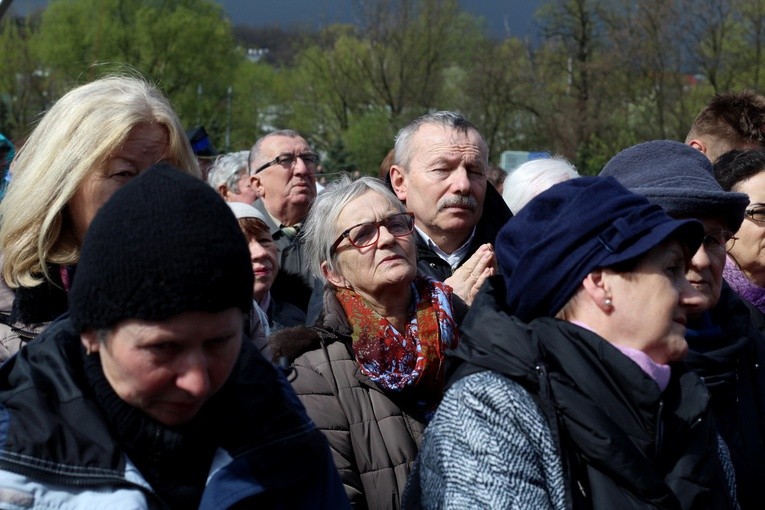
{"x": 679, "y": 178}
{"x": 164, "y": 244}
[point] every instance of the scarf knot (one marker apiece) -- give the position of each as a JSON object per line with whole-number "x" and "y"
{"x": 397, "y": 360}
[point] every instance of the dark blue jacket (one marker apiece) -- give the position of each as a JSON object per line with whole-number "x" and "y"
{"x": 56, "y": 448}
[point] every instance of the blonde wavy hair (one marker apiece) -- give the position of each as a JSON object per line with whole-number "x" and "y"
{"x": 75, "y": 138}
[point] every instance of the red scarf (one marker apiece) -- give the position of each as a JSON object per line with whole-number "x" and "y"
{"x": 415, "y": 358}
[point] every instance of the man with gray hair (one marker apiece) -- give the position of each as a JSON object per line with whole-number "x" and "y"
{"x": 282, "y": 172}
{"x": 230, "y": 177}
{"x": 439, "y": 172}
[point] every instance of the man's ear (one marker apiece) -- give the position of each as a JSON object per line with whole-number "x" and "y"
{"x": 256, "y": 185}
{"x": 223, "y": 191}
{"x": 90, "y": 341}
{"x": 336, "y": 279}
{"x": 699, "y": 145}
{"x": 398, "y": 182}
{"x": 597, "y": 288}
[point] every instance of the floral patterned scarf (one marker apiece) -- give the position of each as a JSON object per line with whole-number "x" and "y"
{"x": 394, "y": 360}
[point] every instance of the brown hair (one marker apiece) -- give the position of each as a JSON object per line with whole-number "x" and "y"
{"x": 253, "y": 227}
{"x": 733, "y": 119}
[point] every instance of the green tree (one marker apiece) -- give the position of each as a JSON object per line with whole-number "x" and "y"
{"x": 260, "y": 94}
{"x": 389, "y": 70}
{"x": 368, "y": 139}
{"x": 24, "y": 86}
{"x": 575, "y": 72}
{"x": 186, "y": 46}
{"x": 753, "y": 21}
{"x": 497, "y": 93}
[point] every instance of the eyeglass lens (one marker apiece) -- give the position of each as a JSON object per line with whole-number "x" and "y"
{"x": 289, "y": 159}
{"x": 757, "y": 214}
{"x": 719, "y": 241}
{"x": 366, "y": 234}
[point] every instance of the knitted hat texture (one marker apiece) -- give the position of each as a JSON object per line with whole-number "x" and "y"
{"x": 164, "y": 244}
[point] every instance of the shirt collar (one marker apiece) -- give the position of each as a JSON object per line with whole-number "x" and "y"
{"x": 454, "y": 258}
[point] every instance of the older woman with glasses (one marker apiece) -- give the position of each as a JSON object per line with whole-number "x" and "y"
{"x": 371, "y": 372}
{"x": 726, "y": 348}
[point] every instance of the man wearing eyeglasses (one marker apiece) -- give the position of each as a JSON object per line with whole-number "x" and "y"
{"x": 439, "y": 172}
{"x": 282, "y": 171}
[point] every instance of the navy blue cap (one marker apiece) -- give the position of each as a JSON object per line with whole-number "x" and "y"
{"x": 546, "y": 250}
{"x": 200, "y": 142}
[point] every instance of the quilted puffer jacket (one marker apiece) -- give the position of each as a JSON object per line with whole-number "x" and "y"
{"x": 374, "y": 434}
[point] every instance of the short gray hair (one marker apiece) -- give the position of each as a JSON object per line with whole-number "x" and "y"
{"x": 453, "y": 120}
{"x": 319, "y": 228}
{"x": 255, "y": 150}
{"x": 228, "y": 169}
{"x": 534, "y": 177}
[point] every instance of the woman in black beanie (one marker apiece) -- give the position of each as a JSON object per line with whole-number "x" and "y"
{"x": 146, "y": 395}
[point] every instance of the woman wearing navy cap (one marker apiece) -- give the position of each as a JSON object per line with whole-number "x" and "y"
{"x": 567, "y": 391}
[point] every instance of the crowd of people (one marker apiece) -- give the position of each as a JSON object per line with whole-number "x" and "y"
{"x": 184, "y": 328}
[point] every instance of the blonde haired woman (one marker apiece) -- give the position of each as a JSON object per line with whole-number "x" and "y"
{"x": 90, "y": 143}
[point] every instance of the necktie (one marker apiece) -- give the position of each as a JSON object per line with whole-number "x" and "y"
{"x": 290, "y": 231}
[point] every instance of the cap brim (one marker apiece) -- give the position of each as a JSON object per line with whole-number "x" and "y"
{"x": 689, "y": 232}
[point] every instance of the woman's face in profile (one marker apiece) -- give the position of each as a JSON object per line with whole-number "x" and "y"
{"x": 145, "y": 145}
{"x": 265, "y": 262}
{"x": 705, "y": 271}
{"x": 651, "y": 304}
{"x": 168, "y": 369}
{"x": 749, "y": 249}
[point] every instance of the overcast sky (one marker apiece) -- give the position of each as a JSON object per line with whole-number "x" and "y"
{"x": 515, "y": 15}
{"x": 500, "y": 15}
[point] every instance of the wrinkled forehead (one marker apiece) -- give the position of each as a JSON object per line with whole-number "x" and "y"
{"x": 274, "y": 146}
{"x": 434, "y": 141}
{"x": 446, "y": 136}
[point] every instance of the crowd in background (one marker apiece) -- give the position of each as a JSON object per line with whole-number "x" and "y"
{"x": 181, "y": 328}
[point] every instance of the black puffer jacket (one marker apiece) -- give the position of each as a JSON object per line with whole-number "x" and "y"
{"x": 623, "y": 442}
{"x": 495, "y": 215}
{"x": 46, "y": 399}
{"x": 728, "y": 352}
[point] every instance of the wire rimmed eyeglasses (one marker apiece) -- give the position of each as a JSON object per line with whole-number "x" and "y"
{"x": 366, "y": 234}
{"x": 289, "y": 160}
{"x": 719, "y": 241}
